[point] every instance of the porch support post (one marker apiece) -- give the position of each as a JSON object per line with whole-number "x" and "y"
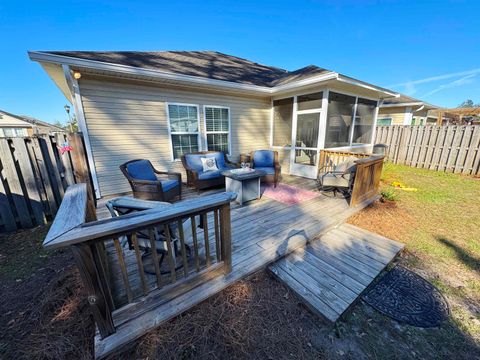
{"x": 226, "y": 237}
{"x": 82, "y": 124}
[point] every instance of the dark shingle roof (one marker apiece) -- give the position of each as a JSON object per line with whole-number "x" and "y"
{"x": 208, "y": 64}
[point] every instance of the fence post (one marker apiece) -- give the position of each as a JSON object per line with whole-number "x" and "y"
{"x": 80, "y": 164}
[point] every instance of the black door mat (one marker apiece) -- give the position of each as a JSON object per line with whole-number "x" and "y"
{"x": 408, "y": 298}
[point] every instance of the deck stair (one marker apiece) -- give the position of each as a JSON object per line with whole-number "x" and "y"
{"x": 330, "y": 273}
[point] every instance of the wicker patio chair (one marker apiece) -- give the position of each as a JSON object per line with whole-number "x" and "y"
{"x": 146, "y": 185}
{"x": 266, "y": 160}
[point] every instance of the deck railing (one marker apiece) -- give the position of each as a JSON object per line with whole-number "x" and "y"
{"x": 114, "y": 275}
{"x": 367, "y": 175}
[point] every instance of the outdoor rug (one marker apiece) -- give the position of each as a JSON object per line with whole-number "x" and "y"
{"x": 408, "y": 298}
{"x": 287, "y": 194}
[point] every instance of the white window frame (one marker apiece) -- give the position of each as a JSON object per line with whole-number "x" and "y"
{"x": 385, "y": 118}
{"x": 170, "y": 133}
{"x": 218, "y": 132}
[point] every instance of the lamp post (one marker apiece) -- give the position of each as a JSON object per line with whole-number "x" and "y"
{"x": 67, "y": 109}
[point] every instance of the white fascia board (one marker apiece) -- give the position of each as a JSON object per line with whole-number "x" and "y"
{"x": 305, "y": 82}
{"x": 418, "y": 103}
{"x": 132, "y": 70}
{"x": 365, "y": 85}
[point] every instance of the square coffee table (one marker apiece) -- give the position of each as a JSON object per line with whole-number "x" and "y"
{"x": 245, "y": 184}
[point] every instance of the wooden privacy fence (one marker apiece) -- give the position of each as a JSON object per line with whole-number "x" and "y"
{"x": 452, "y": 148}
{"x": 34, "y": 175}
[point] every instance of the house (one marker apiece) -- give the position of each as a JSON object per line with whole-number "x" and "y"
{"x": 12, "y": 125}
{"x": 160, "y": 105}
{"x": 405, "y": 110}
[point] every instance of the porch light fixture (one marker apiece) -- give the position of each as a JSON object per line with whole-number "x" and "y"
{"x": 77, "y": 75}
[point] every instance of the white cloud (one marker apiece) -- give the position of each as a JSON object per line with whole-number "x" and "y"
{"x": 411, "y": 84}
{"x": 459, "y": 82}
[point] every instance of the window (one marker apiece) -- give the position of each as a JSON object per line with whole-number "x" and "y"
{"x": 217, "y": 128}
{"x": 282, "y": 122}
{"x": 13, "y": 132}
{"x": 184, "y": 130}
{"x": 363, "y": 125}
{"x": 384, "y": 121}
{"x": 339, "y": 119}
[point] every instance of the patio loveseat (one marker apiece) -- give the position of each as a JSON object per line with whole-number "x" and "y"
{"x": 199, "y": 179}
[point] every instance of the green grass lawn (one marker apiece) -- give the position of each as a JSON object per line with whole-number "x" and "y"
{"x": 440, "y": 225}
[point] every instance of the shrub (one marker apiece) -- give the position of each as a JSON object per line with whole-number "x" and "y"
{"x": 389, "y": 195}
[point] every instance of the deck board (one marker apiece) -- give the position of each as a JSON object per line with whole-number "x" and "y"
{"x": 263, "y": 231}
{"x": 331, "y": 284}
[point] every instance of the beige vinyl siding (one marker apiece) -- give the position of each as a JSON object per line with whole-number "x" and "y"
{"x": 284, "y": 159}
{"x": 396, "y": 113}
{"x": 127, "y": 120}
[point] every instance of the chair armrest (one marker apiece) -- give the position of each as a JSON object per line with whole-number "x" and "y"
{"x": 146, "y": 182}
{"x": 170, "y": 174}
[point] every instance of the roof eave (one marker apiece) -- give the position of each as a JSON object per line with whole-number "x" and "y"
{"x": 196, "y": 80}
{"x": 132, "y": 70}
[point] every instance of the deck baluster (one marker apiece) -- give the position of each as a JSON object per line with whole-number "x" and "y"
{"x": 156, "y": 262}
{"x": 207, "y": 240}
{"x": 123, "y": 269}
{"x": 195, "y": 243}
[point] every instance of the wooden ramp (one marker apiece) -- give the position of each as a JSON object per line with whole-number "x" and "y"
{"x": 330, "y": 273}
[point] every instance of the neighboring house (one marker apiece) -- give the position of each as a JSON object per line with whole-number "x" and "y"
{"x": 160, "y": 105}
{"x": 20, "y": 125}
{"x": 405, "y": 110}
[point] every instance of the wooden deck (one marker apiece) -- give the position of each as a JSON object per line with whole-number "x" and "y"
{"x": 330, "y": 273}
{"x": 263, "y": 231}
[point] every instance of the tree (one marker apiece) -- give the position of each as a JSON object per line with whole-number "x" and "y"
{"x": 468, "y": 104}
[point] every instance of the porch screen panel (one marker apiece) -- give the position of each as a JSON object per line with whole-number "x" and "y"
{"x": 364, "y": 117}
{"x": 339, "y": 120}
{"x": 184, "y": 131}
{"x": 282, "y": 122}
{"x": 217, "y": 127}
{"x": 310, "y": 101}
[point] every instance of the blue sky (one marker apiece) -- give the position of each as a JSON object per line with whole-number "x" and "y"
{"x": 427, "y": 49}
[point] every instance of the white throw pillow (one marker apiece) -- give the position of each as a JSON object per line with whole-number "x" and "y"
{"x": 209, "y": 164}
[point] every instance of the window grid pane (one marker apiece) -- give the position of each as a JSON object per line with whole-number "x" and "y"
{"x": 184, "y": 144}
{"x": 216, "y": 119}
{"x": 183, "y": 118}
{"x": 217, "y": 142}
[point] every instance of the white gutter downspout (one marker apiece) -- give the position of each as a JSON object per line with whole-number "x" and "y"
{"x": 82, "y": 124}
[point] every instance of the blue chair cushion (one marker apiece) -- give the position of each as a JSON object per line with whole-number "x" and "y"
{"x": 207, "y": 175}
{"x": 194, "y": 162}
{"x": 169, "y": 184}
{"x": 141, "y": 170}
{"x": 269, "y": 170}
{"x": 263, "y": 158}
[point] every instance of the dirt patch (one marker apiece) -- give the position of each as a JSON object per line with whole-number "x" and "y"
{"x": 385, "y": 218}
{"x": 43, "y": 311}
{"x": 256, "y": 318}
